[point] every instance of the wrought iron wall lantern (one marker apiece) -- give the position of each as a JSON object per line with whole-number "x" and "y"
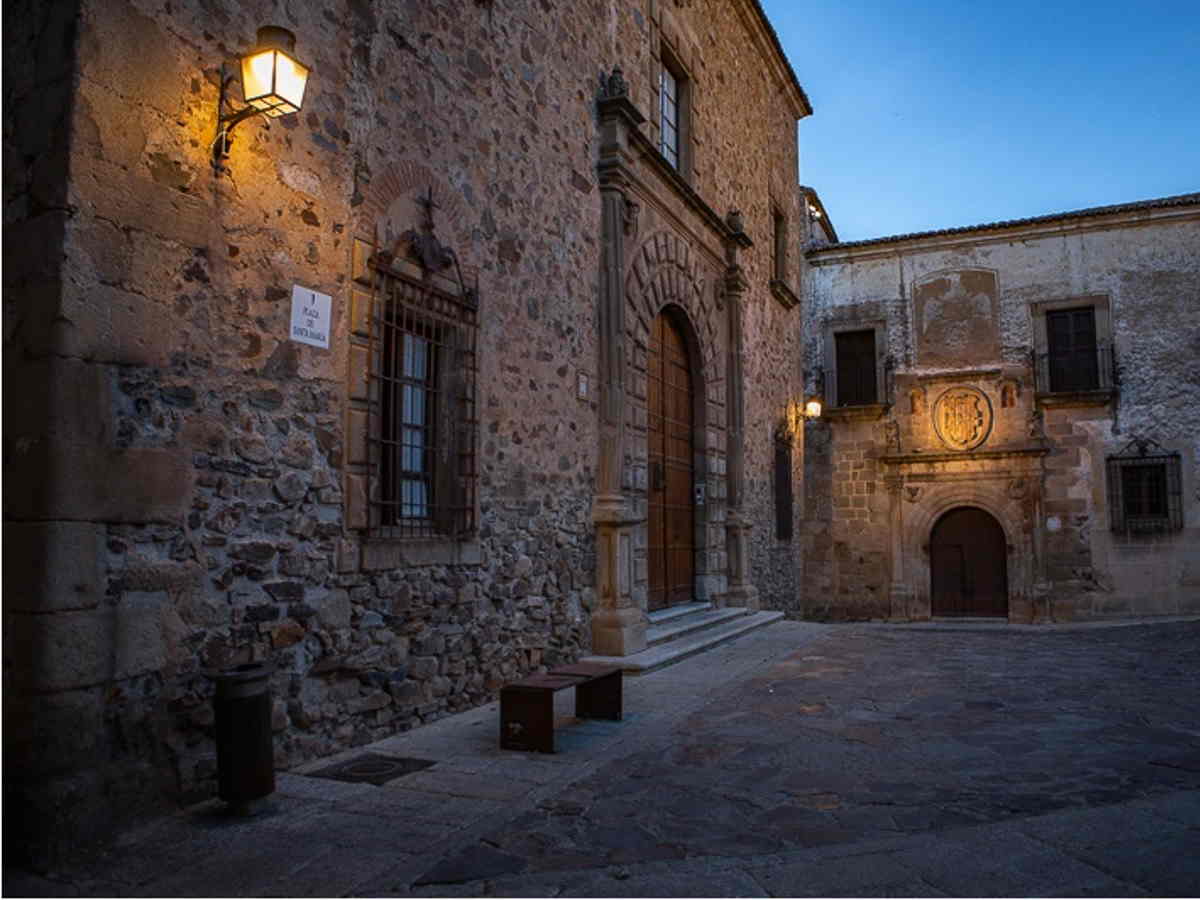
{"x": 273, "y": 83}
{"x": 812, "y": 408}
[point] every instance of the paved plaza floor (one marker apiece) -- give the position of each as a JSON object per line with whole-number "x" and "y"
{"x": 802, "y": 760}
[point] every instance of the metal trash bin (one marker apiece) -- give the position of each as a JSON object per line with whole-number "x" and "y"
{"x": 245, "y": 746}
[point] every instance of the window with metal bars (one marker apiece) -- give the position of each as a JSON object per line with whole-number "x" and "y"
{"x": 1144, "y": 491}
{"x": 421, "y": 445}
{"x": 1075, "y": 358}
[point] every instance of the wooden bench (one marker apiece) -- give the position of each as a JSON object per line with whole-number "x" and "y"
{"x": 527, "y": 706}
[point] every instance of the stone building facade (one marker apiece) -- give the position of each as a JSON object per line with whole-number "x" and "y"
{"x": 1010, "y": 426}
{"x": 508, "y": 205}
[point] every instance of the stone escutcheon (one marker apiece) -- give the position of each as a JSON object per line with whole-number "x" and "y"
{"x": 963, "y": 418}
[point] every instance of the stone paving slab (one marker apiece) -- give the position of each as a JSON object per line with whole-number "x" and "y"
{"x": 802, "y": 760}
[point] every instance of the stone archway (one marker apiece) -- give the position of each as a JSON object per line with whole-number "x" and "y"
{"x": 923, "y": 506}
{"x": 665, "y": 283}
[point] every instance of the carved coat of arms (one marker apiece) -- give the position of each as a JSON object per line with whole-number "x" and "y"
{"x": 962, "y": 417}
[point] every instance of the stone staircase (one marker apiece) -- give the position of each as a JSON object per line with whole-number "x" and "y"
{"x": 678, "y": 632}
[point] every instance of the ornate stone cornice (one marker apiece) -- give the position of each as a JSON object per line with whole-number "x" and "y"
{"x": 658, "y": 163}
{"x": 784, "y": 294}
{"x": 964, "y": 456}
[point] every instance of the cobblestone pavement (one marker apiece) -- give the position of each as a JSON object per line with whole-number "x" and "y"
{"x": 801, "y": 760}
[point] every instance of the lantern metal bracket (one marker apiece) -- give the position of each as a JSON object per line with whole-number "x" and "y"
{"x": 226, "y": 121}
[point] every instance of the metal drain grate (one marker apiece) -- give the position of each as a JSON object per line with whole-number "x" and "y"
{"x": 373, "y": 768}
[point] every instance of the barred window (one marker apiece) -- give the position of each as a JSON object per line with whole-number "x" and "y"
{"x": 1144, "y": 491}
{"x": 421, "y": 445}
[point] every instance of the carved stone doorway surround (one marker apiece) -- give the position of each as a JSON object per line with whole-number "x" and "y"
{"x": 638, "y": 280}
{"x": 923, "y": 487}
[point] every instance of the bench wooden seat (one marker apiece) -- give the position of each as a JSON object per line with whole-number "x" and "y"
{"x": 527, "y": 706}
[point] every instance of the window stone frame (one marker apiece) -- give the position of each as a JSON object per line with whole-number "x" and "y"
{"x": 668, "y": 55}
{"x": 382, "y": 552}
{"x": 832, "y": 401}
{"x": 1102, "y": 318}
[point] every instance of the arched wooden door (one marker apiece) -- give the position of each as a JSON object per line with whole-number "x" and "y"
{"x": 968, "y": 565}
{"x": 670, "y": 538}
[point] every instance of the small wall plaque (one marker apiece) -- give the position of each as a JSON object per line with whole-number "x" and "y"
{"x": 310, "y": 317}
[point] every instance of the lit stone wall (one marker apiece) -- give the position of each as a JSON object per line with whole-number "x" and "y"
{"x": 966, "y": 318}
{"x": 182, "y": 479}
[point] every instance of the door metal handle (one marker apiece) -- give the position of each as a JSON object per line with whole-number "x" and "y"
{"x": 658, "y": 480}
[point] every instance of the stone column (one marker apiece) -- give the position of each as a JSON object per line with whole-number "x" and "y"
{"x": 737, "y": 525}
{"x": 619, "y": 623}
{"x": 899, "y": 591}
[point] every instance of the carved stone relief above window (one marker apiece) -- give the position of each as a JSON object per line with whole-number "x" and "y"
{"x": 956, "y": 316}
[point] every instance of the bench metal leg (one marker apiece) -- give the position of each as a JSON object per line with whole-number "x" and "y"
{"x": 527, "y": 719}
{"x": 599, "y": 698}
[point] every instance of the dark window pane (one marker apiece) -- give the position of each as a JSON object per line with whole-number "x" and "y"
{"x": 1145, "y": 490}
{"x": 783, "y": 491}
{"x": 779, "y": 263}
{"x": 408, "y": 397}
{"x": 1071, "y": 350}
{"x": 855, "y": 351}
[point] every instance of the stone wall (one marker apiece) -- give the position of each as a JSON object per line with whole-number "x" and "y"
{"x": 967, "y": 318}
{"x": 184, "y": 492}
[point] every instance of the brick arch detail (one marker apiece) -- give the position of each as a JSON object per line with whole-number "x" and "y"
{"x": 982, "y": 498}
{"x": 665, "y": 272}
{"x": 992, "y": 499}
{"x": 390, "y": 205}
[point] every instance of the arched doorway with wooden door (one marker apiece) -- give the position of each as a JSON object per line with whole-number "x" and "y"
{"x": 968, "y": 561}
{"x": 671, "y": 464}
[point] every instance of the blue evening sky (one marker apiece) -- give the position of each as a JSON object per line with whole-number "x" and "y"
{"x": 939, "y": 113}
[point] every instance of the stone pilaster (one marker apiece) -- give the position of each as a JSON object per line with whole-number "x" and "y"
{"x": 899, "y": 590}
{"x": 742, "y": 591}
{"x": 619, "y": 623}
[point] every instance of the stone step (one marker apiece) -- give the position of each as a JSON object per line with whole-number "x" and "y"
{"x": 666, "y": 654}
{"x": 674, "y": 612}
{"x": 682, "y": 626}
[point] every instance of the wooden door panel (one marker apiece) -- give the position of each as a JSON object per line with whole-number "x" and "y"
{"x": 968, "y": 565}
{"x": 670, "y": 540}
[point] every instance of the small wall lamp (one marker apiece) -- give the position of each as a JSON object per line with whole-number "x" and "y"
{"x": 812, "y": 408}
{"x": 273, "y": 82}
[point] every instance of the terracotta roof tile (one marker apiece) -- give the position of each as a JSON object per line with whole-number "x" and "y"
{"x": 1159, "y": 203}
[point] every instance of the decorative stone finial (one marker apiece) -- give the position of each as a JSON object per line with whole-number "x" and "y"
{"x": 615, "y": 85}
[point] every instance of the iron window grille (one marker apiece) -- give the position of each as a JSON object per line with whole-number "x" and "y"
{"x": 1145, "y": 494}
{"x": 422, "y": 429}
{"x": 1089, "y": 369}
{"x": 1074, "y": 360}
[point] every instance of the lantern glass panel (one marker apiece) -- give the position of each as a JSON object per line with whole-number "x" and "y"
{"x": 273, "y": 82}
{"x": 258, "y": 78}
{"x": 290, "y": 78}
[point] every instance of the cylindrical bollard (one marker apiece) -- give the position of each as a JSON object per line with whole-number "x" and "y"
{"x": 245, "y": 749}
